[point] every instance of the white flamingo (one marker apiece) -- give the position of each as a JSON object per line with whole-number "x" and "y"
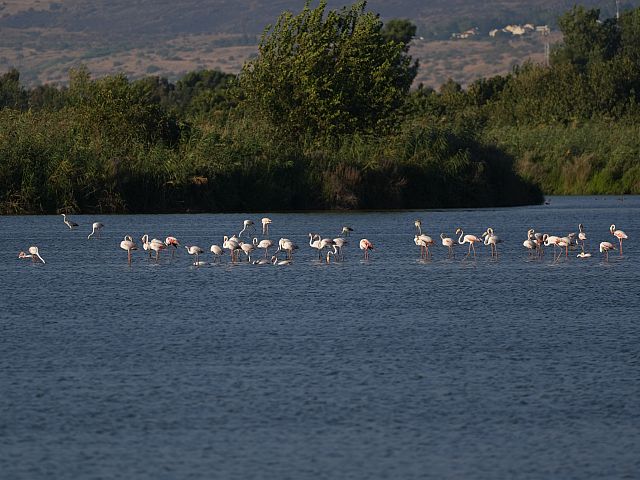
{"x": 314, "y": 242}
{"x": 232, "y": 245}
{"x": 68, "y": 222}
{"x": 605, "y": 247}
{"x": 424, "y": 241}
{"x": 493, "y": 240}
{"x": 128, "y": 245}
{"x": 246, "y": 225}
{"x": 33, "y": 254}
{"x": 194, "y": 250}
{"x": 217, "y": 252}
{"x": 96, "y": 227}
{"x": 619, "y": 234}
{"x": 264, "y": 244}
{"x": 265, "y": 226}
{"x": 581, "y": 235}
{"x": 339, "y": 243}
{"x": 248, "y": 249}
{"x": 449, "y": 243}
{"x": 288, "y": 246}
{"x": 530, "y": 244}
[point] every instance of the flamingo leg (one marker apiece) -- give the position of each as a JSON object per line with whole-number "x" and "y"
{"x": 620, "y": 247}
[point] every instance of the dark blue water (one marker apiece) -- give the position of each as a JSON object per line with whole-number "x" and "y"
{"x": 391, "y": 368}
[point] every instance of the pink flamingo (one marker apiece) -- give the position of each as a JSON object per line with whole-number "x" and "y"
{"x": 470, "y": 239}
{"x": 172, "y": 242}
{"x": 366, "y": 245}
{"x": 619, "y": 234}
{"x": 449, "y": 243}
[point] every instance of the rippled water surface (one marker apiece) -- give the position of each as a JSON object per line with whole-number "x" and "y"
{"x": 390, "y": 368}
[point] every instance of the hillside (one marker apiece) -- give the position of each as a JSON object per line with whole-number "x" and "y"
{"x": 44, "y": 39}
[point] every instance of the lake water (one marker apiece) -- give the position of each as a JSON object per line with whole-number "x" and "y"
{"x": 392, "y": 368}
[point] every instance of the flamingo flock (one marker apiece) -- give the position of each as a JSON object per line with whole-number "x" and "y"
{"x": 332, "y": 249}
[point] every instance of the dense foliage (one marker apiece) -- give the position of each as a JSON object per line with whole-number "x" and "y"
{"x": 323, "y": 118}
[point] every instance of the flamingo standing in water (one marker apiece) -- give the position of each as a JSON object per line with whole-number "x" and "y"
{"x": 97, "y": 226}
{"x": 232, "y": 245}
{"x": 34, "y": 255}
{"x": 470, "y": 239}
{"x": 155, "y": 245}
{"x": 246, "y": 225}
{"x": 68, "y": 222}
{"x": 315, "y": 241}
{"x": 217, "y": 252}
{"x": 366, "y": 245}
{"x": 266, "y": 244}
{"x": 288, "y": 246}
{"x": 128, "y": 245}
{"x": 581, "y": 235}
{"x": 265, "y": 226}
{"x": 194, "y": 250}
{"x": 346, "y": 230}
{"x": 530, "y": 244}
{"x": 172, "y": 242}
{"x": 339, "y": 243}
{"x": 605, "y": 247}
{"x": 491, "y": 239}
{"x": 619, "y": 234}
{"x": 449, "y": 243}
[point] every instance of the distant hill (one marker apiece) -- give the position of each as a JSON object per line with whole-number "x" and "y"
{"x": 44, "y": 39}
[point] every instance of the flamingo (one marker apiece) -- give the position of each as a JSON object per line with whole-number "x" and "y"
{"x": 424, "y": 241}
{"x": 366, "y": 245}
{"x": 262, "y": 261}
{"x": 172, "y": 242}
{"x": 33, "y": 255}
{"x": 530, "y": 244}
{"x": 275, "y": 261}
{"x": 346, "y": 230}
{"x": 248, "y": 249}
{"x": 288, "y": 246}
{"x": 605, "y": 247}
{"x": 128, "y": 245}
{"x": 194, "y": 250}
{"x": 619, "y": 234}
{"x": 97, "y": 226}
{"x": 334, "y": 253}
{"x": 217, "y": 252}
{"x": 326, "y": 242}
{"x": 549, "y": 240}
{"x": 232, "y": 245}
{"x": 581, "y": 235}
{"x": 493, "y": 240}
{"x": 418, "y": 225}
{"x": 314, "y": 242}
{"x": 266, "y": 244}
{"x": 265, "y": 226}
{"x": 340, "y": 243}
{"x": 155, "y": 245}
{"x": 470, "y": 239}
{"x": 562, "y": 242}
{"x": 449, "y": 243}
{"x": 67, "y": 222}
{"x": 246, "y": 225}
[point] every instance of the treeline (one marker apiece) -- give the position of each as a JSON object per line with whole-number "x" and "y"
{"x": 324, "y": 117}
{"x": 573, "y": 125}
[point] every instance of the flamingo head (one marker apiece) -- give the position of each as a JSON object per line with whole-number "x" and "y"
{"x": 612, "y": 228}
{"x": 458, "y": 230}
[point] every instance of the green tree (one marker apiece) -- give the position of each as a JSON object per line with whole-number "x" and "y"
{"x": 399, "y": 31}
{"x": 12, "y": 95}
{"x": 326, "y": 74}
